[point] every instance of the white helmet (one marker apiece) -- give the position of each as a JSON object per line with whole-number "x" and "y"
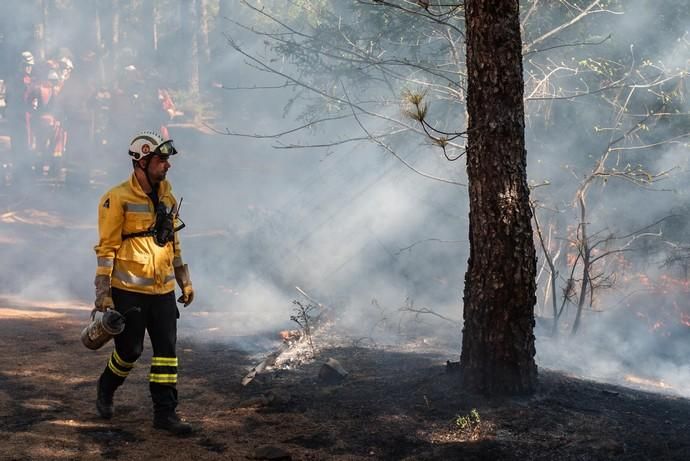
{"x": 150, "y": 143}
{"x": 66, "y": 63}
{"x": 27, "y": 58}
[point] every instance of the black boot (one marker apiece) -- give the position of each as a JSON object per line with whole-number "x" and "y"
{"x": 105, "y": 389}
{"x": 169, "y": 421}
{"x": 104, "y": 400}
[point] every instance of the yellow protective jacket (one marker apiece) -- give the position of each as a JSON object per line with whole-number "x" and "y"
{"x": 135, "y": 264}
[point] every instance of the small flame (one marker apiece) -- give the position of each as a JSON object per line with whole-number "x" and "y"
{"x": 646, "y": 382}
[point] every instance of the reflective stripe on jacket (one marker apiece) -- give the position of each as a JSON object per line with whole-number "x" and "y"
{"x": 135, "y": 264}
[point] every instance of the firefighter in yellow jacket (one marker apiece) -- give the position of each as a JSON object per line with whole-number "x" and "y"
{"x": 139, "y": 260}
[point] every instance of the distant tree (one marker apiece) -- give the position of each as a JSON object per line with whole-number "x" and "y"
{"x": 149, "y": 14}
{"x": 115, "y": 30}
{"x": 204, "y": 50}
{"x": 40, "y": 27}
{"x": 190, "y": 21}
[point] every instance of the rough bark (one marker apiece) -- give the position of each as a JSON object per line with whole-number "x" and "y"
{"x": 500, "y": 289}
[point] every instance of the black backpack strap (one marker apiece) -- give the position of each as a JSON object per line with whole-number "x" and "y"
{"x": 146, "y": 233}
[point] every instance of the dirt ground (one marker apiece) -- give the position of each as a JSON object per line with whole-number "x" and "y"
{"x": 393, "y": 405}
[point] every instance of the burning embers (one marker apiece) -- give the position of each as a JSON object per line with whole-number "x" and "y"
{"x": 662, "y": 304}
{"x": 646, "y": 383}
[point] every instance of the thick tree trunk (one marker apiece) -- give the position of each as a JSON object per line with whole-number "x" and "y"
{"x": 500, "y": 288}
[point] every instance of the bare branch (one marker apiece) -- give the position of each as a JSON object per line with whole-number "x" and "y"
{"x": 531, "y": 10}
{"x": 394, "y": 154}
{"x": 426, "y": 310}
{"x": 437, "y": 18}
{"x": 587, "y": 11}
{"x": 279, "y": 134}
{"x": 419, "y": 242}
{"x": 318, "y": 91}
{"x": 656, "y": 144}
{"x": 566, "y": 45}
{"x": 256, "y": 87}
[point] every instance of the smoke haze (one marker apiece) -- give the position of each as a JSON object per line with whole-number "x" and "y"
{"x": 348, "y": 222}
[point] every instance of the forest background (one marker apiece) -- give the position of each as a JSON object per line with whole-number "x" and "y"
{"x": 349, "y": 115}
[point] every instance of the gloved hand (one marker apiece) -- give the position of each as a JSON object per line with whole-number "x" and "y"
{"x": 104, "y": 300}
{"x": 185, "y": 283}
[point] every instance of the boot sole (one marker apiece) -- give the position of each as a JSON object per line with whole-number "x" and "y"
{"x": 177, "y": 433}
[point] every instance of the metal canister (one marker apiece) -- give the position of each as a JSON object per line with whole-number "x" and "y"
{"x": 102, "y": 328}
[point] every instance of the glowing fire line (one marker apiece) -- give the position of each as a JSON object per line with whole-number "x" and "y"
{"x": 646, "y": 382}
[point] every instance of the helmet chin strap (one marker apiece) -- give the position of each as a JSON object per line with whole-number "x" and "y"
{"x": 147, "y": 161}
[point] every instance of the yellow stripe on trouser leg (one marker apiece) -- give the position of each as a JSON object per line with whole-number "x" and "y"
{"x": 163, "y": 361}
{"x": 116, "y": 371}
{"x": 121, "y": 362}
{"x": 118, "y": 366}
{"x": 163, "y": 370}
{"x": 163, "y": 378}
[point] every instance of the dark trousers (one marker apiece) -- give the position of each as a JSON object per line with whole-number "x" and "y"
{"x": 158, "y": 315}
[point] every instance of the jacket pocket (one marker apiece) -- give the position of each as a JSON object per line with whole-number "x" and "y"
{"x": 134, "y": 269}
{"x": 164, "y": 266}
{"x": 137, "y": 223}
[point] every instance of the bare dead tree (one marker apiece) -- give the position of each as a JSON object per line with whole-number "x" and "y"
{"x": 585, "y": 278}
{"x": 580, "y": 291}
{"x": 303, "y": 316}
{"x": 549, "y": 259}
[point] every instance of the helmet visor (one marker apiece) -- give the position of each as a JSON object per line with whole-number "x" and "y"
{"x": 165, "y": 149}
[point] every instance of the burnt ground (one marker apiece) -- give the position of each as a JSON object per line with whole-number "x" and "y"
{"x": 394, "y": 405}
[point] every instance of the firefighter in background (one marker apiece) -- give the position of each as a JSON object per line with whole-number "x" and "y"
{"x": 128, "y": 103}
{"x": 27, "y": 72}
{"x": 139, "y": 260}
{"x": 139, "y": 99}
{"x": 167, "y": 110}
{"x": 46, "y": 134}
{"x": 66, "y": 66}
{"x": 18, "y": 107}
